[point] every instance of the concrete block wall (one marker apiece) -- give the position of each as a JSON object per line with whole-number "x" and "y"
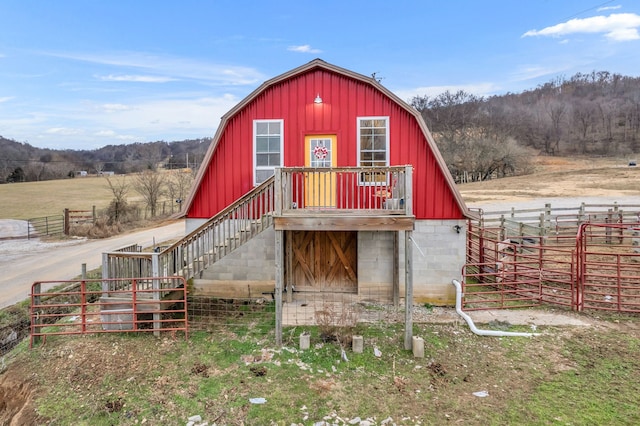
{"x": 438, "y": 257}
{"x": 375, "y": 265}
{"x": 246, "y": 272}
{"x": 253, "y": 261}
{"x": 439, "y": 253}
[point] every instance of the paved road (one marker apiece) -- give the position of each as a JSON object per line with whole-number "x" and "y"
{"x": 22, "y": 262}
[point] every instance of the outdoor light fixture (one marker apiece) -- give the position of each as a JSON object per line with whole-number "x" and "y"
{"x": 318, "y": 99}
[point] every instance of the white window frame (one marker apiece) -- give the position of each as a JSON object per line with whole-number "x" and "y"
{"x": 255, "y": 148}
{"x": 359, "y": 127}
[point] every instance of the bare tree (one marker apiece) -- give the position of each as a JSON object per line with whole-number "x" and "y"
{"x": 556, "y": 110}
{"x": 150, "y": 185}
{"x": 584, "y": 114}
{"x": 178, "y": 185}
{"x": 118, "y": 207}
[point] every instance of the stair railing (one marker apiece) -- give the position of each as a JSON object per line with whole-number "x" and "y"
{"x": 189, "y": 257}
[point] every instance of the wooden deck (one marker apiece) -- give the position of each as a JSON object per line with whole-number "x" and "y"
{"x": 344, "y": 199}
{"x": 344, "y": 221}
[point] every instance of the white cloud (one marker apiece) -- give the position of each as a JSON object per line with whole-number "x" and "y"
{"x": 601, "y": 9}
{"x": 478, "y": 89}
{"x": 63, "y": 131}
{"x": 114, "y": 107}
{"x": 136, "y": 78}
{"x": 167, "y": 119}
{"x": 6, "y": 99}
{"x": 305, "y": 48}
{"x": 616, "y": 27}
{"x": 532, "y": 72}
{"x": 110, "y": 134}
{"x": 170, "y": 67}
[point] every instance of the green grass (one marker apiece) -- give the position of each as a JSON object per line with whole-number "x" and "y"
{"x": 581, "y": 377}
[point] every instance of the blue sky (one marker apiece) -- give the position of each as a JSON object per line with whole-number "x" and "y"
{"x": 81, "y": 74}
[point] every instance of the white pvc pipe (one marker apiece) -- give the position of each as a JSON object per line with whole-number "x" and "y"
{"x": 472, "y": 326}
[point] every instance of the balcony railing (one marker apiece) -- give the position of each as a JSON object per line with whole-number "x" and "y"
{"x": 343, "y": 190}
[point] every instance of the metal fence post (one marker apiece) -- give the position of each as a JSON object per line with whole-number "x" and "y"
{"x": 35, "y": 317}
{"x": 155, "y": 273}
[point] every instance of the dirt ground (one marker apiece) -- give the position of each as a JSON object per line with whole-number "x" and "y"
{"x": 553, "y": 178}
{"x": 560, "y": 178}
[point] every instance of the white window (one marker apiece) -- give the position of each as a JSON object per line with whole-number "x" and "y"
{"x": 373, "y": 145}
{"x": 267, "y": 148}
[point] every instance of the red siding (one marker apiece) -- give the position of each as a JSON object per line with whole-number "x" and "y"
{"x": 229, "y": 175}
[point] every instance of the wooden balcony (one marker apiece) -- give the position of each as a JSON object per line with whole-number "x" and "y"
{"x": 343, "y": 199}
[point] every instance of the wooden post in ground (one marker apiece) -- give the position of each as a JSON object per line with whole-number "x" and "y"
{"x": 396, "y": 268}
{"x": 105, "y": 274}
{"x": 66, "y": 222}
{"x": 279, "y": 281}
{"x": 408, "y": 290}
{"x": 289, "y": 260}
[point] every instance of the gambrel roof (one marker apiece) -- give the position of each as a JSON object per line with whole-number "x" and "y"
{"x": 448, "y": 185}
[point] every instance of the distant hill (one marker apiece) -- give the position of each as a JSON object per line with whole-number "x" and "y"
{"x": 593, "y": 114}
{"x": 21, "y": 162}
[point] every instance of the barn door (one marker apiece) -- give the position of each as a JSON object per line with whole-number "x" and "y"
{"x": 323, "y": 260}
{"x": 320, "y": 185}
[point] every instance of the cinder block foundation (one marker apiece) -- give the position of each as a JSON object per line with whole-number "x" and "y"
{"x": 357, "y": 344}
{"x": 417, "y": 344}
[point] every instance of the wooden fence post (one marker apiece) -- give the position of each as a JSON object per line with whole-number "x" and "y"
{"x": 408, "y": 290}
{"x": 66, "y": 222}
{"x": 279, "y": 252}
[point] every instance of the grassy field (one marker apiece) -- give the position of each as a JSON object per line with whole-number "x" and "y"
{"x": 37, "y": 199}
{"x": 554, "y": 177}
{"x": 565, "y": 376}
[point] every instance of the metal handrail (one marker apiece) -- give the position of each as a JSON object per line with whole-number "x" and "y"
{"x": 219, "y": 236}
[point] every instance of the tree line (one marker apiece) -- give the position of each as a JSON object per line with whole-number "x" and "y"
{"x": 592, "y": 114}
{"x": 595, "y": 114}
{"x": 21, "y": 162}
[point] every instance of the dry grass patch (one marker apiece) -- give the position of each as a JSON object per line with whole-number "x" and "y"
{"x": 37, "y": 199}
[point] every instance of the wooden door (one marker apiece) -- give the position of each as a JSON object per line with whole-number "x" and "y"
{"x": 323, "y": 260}
{"x": 320, "y": 185}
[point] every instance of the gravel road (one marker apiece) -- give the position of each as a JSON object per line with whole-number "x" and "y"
{"x": 557, "y": 202}
{"x": 22, "y": 262}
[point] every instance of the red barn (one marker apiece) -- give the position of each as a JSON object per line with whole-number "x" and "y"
{"x": 348, "y": 188}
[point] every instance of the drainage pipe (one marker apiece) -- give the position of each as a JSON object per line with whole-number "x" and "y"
{"x": 474, "y": 329}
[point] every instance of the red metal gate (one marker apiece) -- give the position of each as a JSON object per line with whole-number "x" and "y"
{"x": 608, "y": 273}
{"x": 155, "y": 305}
{"x": 599, "y": 268}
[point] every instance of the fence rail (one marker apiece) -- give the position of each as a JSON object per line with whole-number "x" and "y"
{"x": 157, "y": 304}
{"x": 557, "y": 221}
{"x": 594, "y": 263}
{"x": 45, "y": 226}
